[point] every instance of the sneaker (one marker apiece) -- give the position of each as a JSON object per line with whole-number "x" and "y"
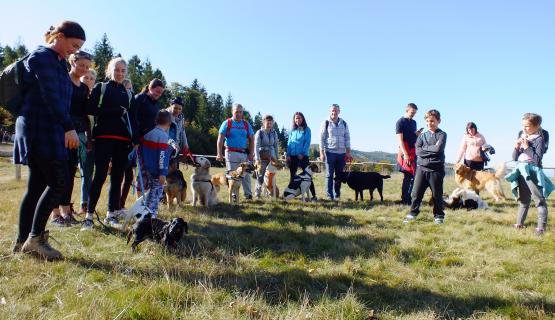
{"x": 438, "y": 220}
{"x": 409, "y": 218}
{"x": 234, "y": 197}
{"x": 248, "y": 197}
{"x": 113, "y": 222}
{"x": 71, "y": 221}
{"x": 59, "y": 222}
{"x": 540, "y": 231}
{"x": 518, "y": 226}
{"x": 39, "y": 246}
{"x": 88, "y": 224}
{"x": 83, "y": 210}
{"x": 314, "y": 199}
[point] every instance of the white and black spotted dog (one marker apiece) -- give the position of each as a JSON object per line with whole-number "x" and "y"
{"x": 465, "y": 199}
{"x": 300, "y": 185}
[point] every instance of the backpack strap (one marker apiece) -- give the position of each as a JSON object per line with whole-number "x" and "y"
{"x": 246, "y": 127}
{"x": 103, "y": 86}
{"x": 228, "y": 128}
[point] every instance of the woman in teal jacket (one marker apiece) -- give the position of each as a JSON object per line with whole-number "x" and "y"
{"x": 298, "y": 146}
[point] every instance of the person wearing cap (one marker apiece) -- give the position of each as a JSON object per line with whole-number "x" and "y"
{"x": 239, "y": 144}
{"x": 335, "y": 149}
{"x": 265, "y": 149}
{"x": 177, "y": 128}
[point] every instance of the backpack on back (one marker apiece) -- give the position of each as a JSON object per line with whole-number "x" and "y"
{"x": 229, "y": 124}
{"x": 12, "y": 86}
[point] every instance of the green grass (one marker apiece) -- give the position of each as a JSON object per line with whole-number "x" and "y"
{"x": 276, "y": 260}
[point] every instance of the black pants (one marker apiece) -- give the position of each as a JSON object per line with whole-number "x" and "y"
{"x": 406, "y": 188}
{"x": 47, "y": 181}
{"x": 106, "y": 151}
{"x": 127, "y": 180}
{"x": 476, "y": 165}
{"x": 423, "y": 180}
{"x": 71, "y": 169}
{"x": 294, "y": 165}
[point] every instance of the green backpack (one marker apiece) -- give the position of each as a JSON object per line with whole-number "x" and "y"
{"x": 12, "y": 87}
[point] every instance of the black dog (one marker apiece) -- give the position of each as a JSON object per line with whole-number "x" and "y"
{"x": 360, "y": 181}
{"x": 167, "y": 233}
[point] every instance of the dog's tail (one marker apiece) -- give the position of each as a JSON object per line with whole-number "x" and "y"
{"x": 386, "y": 176}
{"x": 500, "y": 171}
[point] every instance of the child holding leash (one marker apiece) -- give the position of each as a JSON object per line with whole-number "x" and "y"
{"x": 528, "y": 181}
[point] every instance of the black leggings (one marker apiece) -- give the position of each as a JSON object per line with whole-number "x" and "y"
{"x": 71, "y": 169}
{"x": 106, "y": 150}
{"x": 47, "y": 181}
{"x": 476, "y": 165}
{"x": 128, "y": 179}
{"x": 294, "y": 165}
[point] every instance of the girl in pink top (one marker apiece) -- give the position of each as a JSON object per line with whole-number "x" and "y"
{"x": 471, "y": 145}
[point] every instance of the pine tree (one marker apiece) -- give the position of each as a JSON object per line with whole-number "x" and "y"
{"x": 228, "y": 106}
{"x": 103, "y": 52}
{"x": 215, "y": 106}
{"x": 257, "y": 122}
{"x": 9, "y": 56}
{"x": 135, "y": 72}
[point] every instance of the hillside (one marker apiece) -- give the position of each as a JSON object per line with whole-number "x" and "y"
{"x": 370, "y": 156}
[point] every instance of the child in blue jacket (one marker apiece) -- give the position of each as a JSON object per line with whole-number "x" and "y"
{"x": 156, "y": 154}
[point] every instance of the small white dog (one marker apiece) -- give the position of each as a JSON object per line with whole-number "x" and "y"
{"x": 300, "y": 185}
{"x": 203, "y": 189}
{"x": 137, "y": 211}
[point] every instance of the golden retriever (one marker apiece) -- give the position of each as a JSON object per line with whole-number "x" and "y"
{"x": 479, "y": 180}
{"x": 203, "y": 189}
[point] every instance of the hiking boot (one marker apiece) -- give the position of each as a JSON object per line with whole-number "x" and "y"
{"x": 409, "y": 218}
{"x": 314, "y": 199}
{"x": 17, "y": 245}
{"x": 113, "y": 222}
{"x": 248, "y": 197}
{"x": 39, "y": 247}
{"x": 540, "y": 231}
{"x": 71, "y": 221}
{"x": 438, "y": 220}
{"x": 59, "y": 222}
{"x": 88, "y": 224}
{"x": 518, "y": 226}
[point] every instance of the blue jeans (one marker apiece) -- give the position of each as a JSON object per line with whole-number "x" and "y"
{"x": 335, "y": 164}
{"x": 86, "y": 166}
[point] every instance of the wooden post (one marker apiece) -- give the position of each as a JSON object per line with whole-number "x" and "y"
{"x": 17, "y": 172}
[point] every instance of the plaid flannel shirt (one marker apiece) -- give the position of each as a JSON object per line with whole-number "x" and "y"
{"x": 44, "y": 117}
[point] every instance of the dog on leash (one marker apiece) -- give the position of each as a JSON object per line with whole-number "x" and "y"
{"x": 235, "y": 179}
{"x": 360, "y": 181}
{"x": 269, "y": 185}
{"x": 468, "y": 178}
{"x": 465, "y": 199}
{"x": 300, "y": 184}
{"x": 167, "y": 233}
{"x": 204, "y": 192}
{"x": 176, "y": 186}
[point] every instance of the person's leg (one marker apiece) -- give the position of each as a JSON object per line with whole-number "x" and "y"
{"x": 72, "y": 170}
{"x": 293, "y": 166}
{"x": 339, "y": 167}
{"x": 260, "y": 179}
{"x": 330, "y": 168}
{"x": 303, "y": 164}
{"x": 127, "y": 181}
{"x": 87, "y": 168}
{"x": 101, "y": 162}
{"x": 55, "y": 175}
{"x": 420, "y": 186}
{"x": 120, "y": 151}
{"x": 539, "y": 200}
{"x": 152, "y": 197}
{"x": 35, "y": 187}
{"x": 406, "y": 188}
{"x": 436, "y": 185}
{"x": 524, "y": 198}
{"x": 246, "y": 183}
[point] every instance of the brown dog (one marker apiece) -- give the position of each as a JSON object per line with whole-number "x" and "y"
{"x": 479, "y": 180}
{"x": 176, "y": 186}
{"x": 235, "y": 179}
{"x": 218, "y": 180}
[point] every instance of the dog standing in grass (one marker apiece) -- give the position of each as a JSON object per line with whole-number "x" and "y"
{"x": 300, "y": 184}
{"x": 235, "y": 180}
{"x": 478, "y": 180}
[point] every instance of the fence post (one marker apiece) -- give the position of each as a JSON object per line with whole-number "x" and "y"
{"x": 17, "y": 172}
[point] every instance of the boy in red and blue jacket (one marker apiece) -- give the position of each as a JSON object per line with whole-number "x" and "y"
{"x": 156, "y": 153}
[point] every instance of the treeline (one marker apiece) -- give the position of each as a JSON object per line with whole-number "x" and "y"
{"x": 203, "y": 112}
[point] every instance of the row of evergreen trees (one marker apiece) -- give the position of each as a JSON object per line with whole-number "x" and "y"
{"x": 203, "y": 112}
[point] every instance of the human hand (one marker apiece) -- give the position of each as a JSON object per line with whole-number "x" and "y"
{"x": 162, "y": 179}
{"x": 219, "y": 157}
{"x": 71, "y": 139}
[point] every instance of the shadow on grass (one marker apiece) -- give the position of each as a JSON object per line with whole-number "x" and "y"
{"x": 294, "y": 284}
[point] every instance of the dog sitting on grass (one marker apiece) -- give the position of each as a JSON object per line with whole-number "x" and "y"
{"x": 176, "y": 186}
{"x": 166, "y": 233}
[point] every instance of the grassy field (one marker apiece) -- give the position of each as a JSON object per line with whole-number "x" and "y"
{"x": 275, "y": 260}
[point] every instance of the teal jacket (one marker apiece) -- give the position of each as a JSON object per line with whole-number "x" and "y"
{"x": 527, "y": 170}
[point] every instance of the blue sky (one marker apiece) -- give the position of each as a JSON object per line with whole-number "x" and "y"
{"x": 482, "y": 61}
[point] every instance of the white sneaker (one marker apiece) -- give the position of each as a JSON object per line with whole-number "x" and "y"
{"x": 438, "y": 221}
{"x": 409, "y": 218}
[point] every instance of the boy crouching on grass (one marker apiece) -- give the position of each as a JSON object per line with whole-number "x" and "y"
{"x": 156, "y": 154}
{"x": 430, "y": 152}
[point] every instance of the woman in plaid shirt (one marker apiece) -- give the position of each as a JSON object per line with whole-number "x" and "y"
{"x": 43, "y": 132}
